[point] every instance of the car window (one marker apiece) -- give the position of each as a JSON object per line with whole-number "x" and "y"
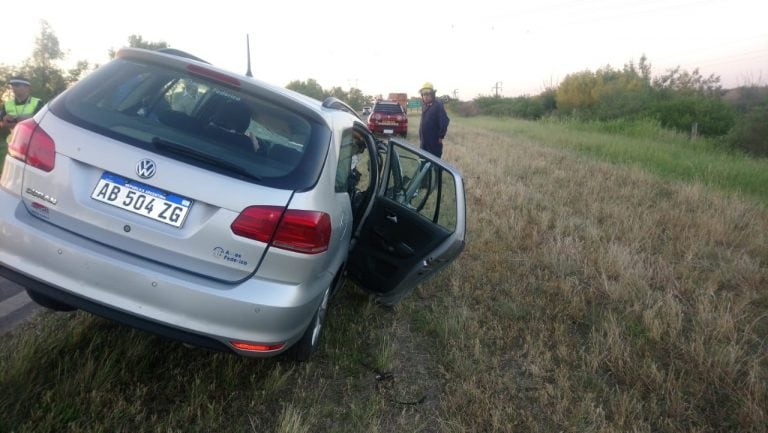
{"x": 191, "y": 117}
{"x": 344, "y": 167}
{"x": 388, "y": 108}
{"x": 353, "y": 172}
{"x": 422, "y": 186}
{"x": 185, "y": 95}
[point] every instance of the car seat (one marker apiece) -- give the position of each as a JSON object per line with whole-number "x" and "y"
{"x": 229, "y": 122}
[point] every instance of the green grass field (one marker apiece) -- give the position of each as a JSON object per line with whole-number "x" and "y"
{"x": 603, "y": 288}
{"x": 665, "y": 153}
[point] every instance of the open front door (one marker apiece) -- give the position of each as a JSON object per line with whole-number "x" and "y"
{"x": 416, "y": 225}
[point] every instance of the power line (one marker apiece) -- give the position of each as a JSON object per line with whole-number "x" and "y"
{"x": 580, "y": 10}
{"x": 733, "y": 59}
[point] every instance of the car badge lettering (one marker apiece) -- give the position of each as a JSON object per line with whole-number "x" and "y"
{"x": 41, "y": 195}
{"x": 146, "y": 168}
{"x": 230, "y": 256}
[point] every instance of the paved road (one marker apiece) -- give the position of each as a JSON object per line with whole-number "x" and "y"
{"x": 15, "y": 305}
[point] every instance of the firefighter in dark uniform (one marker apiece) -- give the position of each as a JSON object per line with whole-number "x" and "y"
{"x": 434, "y": 121}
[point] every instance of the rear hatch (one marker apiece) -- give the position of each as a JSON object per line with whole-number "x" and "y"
{"x": 388, "y": 115}
{"x": 158, "y": 157}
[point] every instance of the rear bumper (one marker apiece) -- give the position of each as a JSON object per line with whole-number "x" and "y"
{"x": 110, "y": 313}
{"x": 148, "y": 295}
{"x": 396, "y": 129}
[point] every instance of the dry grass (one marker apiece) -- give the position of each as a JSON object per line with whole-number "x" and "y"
{"x": 593, "y": 297}
{"x": 590, "y": 297}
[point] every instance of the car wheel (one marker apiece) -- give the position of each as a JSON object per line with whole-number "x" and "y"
{"x": 48, "y": 302}
{"x": 310, "y": 341}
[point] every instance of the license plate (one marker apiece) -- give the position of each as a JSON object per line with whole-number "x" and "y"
{"x": 141, "y": 199}
{"x": 389, "y": 131}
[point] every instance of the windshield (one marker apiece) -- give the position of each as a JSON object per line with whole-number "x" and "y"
{"x": 388, "y": 108}
{"x": 144, "y": 104}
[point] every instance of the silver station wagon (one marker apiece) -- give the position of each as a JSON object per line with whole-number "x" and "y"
{"x": 209, "y": 207}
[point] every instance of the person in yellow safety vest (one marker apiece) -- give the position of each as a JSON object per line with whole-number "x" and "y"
{"x": 22, "y": 106}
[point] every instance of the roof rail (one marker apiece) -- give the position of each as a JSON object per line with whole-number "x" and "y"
{"x": 337, "y": 104}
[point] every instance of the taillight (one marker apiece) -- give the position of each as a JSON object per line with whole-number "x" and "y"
{"x": 302, "y": 231}
{"x": 257, "y": 222}
{"x": 255, "y": 347}
{"x": 30, "y": 144}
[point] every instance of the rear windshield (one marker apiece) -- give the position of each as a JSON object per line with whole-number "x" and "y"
{"x": 388, "y": 108}
{"x": 199, "y": 121}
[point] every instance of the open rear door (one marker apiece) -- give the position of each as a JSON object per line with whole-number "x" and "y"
{"x": 416, "y": 226}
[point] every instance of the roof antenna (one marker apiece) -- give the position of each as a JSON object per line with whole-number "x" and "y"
{"x": 248, "y": 47}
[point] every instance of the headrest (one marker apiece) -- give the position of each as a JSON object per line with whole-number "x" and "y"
{"x": 233, "y": 115}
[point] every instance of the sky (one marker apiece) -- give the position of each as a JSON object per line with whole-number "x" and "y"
{"x": 465, "y": 48}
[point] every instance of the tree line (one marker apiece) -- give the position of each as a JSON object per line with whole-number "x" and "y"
{"x": 48, "y": 78}
{"x": 678, "y": 99}
{"x": 354, "y": 96}
{"x": 44, "y": 71}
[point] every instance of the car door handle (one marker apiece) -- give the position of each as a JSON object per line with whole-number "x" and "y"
{"x": 392, "y": 218}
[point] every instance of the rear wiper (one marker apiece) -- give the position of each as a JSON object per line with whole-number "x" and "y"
{"x": 203, "y": 157}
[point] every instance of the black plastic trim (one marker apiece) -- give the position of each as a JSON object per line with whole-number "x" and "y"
{"x": 338, "y": 104}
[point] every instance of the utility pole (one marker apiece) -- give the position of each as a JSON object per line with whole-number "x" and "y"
{"x": 497, "y": 88}
{"x": 456, "y": 94}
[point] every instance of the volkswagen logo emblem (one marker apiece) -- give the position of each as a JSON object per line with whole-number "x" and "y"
{"x": 146, "y": 168}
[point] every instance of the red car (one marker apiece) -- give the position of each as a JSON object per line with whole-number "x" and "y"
{"x": 388, "y": 118}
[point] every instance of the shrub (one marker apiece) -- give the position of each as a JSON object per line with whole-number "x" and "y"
{"x": 713, "y": 116}
{"x": 615, "y": 102}
{"x": 548, "y": 99}
{"x": 745, "y": 98}
{"x": 523, "y": 107}
{"x": 576, "y": 92}
{"x": 465, "y": 108}
{"x": 750, "y": 134}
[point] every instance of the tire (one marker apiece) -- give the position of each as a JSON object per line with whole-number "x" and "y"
{"x": 310, "y": 341}
{"x": 338, "y": 280}
{"x": 48, "y": 302}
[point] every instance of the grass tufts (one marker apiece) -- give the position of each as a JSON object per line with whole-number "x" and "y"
{"x": 612, "y": 281}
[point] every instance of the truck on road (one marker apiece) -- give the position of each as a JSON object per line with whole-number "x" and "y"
{"x": 400, "y": 98}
